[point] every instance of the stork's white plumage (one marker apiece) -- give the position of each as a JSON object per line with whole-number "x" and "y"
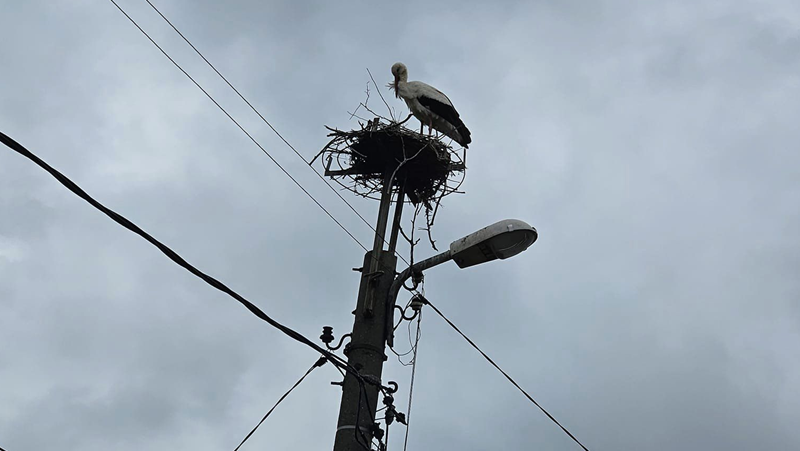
{"x": 430, "y": 106}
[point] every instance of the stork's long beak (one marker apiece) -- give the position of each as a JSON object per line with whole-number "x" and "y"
{"x": 396, "y": 82}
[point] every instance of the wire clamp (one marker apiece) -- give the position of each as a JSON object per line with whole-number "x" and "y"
{"x": 376, "y": 431}
{"x": 417, "y": 302}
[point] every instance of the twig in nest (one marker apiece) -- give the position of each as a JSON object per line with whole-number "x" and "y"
{"x": 360, "y": 104}
{"x": 353, "y": 114}
{"x": 405, "y": 159}
{"x": 377, "y": 88}
{"x": 404, "y": 120}
{"x": 365, "y": 104}
{"x": 376, "y": 114}
{"x": 321, "y": 151}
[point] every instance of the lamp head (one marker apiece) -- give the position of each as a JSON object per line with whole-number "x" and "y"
{"x": 500, "y": 240}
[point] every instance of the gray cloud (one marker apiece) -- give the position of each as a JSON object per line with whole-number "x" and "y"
{"x": 652, "y": 146}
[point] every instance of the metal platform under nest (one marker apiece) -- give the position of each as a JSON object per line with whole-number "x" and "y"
{"x": 365, "y": 160}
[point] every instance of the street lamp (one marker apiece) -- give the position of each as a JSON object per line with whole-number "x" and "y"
{"x": 500, "y": 240}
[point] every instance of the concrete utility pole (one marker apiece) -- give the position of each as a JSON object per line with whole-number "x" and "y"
{"x": 366, "y": 350}
{"x": 377, "y": 293}
{"x": 392, "y": 159}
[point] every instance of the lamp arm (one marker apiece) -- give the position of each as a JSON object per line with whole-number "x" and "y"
{"x": 417, "y": 268}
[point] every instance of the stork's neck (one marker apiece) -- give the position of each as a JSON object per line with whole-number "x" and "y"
{"x": 402, "y": 88}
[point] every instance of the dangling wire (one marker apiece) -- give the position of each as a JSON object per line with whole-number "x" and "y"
{"x": 417, "y": 306}
{"x": 413, "y": 304}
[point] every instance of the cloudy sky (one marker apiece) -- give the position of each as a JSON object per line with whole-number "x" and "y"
{"x": 652, "y": 144}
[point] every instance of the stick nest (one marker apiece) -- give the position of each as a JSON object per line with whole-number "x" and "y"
{"x": 362, "y": 160}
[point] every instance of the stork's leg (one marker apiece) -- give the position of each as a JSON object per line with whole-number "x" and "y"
{"x": 421, "y": 124}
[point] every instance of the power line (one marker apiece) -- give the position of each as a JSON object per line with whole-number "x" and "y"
{"x": 318, "y": 363}
{"x": 226, "y": 81}
{"x": 240, "y": 127}
{"x": 508, "y": 377}
{"x": 172, "y": 255}
{"x": 241, "y": 96}
{"x": 338, "y": 362}
{"x": 200, "y": 54}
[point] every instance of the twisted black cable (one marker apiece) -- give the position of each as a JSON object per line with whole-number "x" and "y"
{"x": 172, "y": 255}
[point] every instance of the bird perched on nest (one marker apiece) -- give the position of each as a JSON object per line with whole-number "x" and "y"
{"x": 430, "y": 106}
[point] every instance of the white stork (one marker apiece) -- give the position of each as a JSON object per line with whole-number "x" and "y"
{"x": 430, "y": 106}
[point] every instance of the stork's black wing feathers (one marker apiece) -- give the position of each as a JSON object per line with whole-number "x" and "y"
{"x": 448, "y": 113}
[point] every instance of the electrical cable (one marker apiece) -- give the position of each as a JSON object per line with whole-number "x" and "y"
{"x": 417, "y": 333}
{"x": 318, "y": 363}
{"x": 241, "y": 96}
{"x": 356, "y": 428}
{"x": 338, "y": 194}
{"x": 363, "y": 390}
{"x": 508, "y": 377}
{"x": 241, "y": 128}
{"x": 413, "y": 373}
{"x": 172, "y": 255}
{"x": 411, "y": 349}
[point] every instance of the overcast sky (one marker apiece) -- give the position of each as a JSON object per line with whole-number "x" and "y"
{"x": 652, "y": 144}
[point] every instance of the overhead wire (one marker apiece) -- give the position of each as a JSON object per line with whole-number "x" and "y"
{"x": 175, "y": 257}
{"x": 241, "y": 96}
{"x": 219, "y": 285}
{"x": 241, "y": 127}
{"x": 338, "y": 362}
{"x": 317, "y": 364}
{"x": 513, "y": 382}
{"x": 172, "y": 255}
